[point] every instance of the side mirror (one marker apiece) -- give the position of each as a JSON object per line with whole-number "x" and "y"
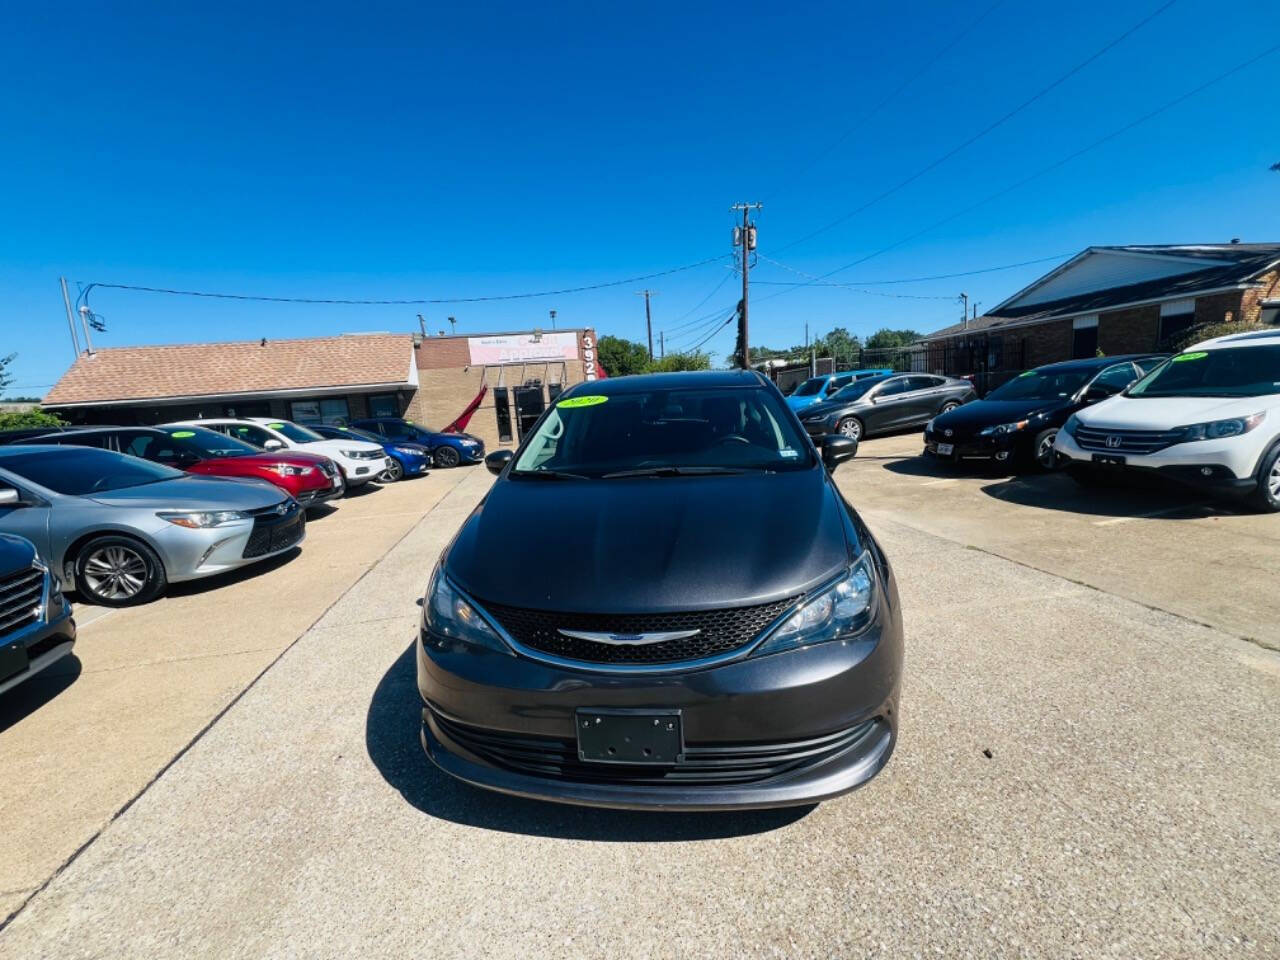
{"x": 836, "y": 449}
{"x": 497, "y": 460}
{"x": 273, "y": 444}
{"x": 1098, "y": 392}
{"x": 9, "y": 497}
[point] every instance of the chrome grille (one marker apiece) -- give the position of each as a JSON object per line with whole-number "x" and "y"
{"x": 1125, "y": 441}
{"x": 21, "y": 595}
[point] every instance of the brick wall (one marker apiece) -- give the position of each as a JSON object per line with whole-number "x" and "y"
{"x": 1046, "y": 342}
{"x": 1251, "y": 301}
{"x": 1218, "y": 308}
{"x": 1128, "y": 331}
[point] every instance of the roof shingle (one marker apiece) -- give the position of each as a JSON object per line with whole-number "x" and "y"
{"x": 215, "y": 369}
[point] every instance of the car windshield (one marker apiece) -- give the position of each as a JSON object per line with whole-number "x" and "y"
{"x": 854, "y": 390}
{"x": 209, "y": 443}
{"x": 810, "y": 387}
{"x": 80, "y": 471}
{"x": 294, "y": 432}
{"x": 1226, "y": 372}
{"x": 708, "y": 430}
{"x": 1041, "y": 385}
{"x": 357, "y": 434}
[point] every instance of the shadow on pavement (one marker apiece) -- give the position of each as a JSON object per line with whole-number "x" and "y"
{"x": 219, "y": 580}
{"x": 1127, "y": 497}
{"x": 391, "y": 737}
{"x": 927, "y": 466}
{"x": 30, "y": 695}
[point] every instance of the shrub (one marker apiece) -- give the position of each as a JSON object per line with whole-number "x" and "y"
{"x": 30, "y": 418}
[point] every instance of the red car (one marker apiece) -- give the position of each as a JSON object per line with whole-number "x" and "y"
{"x": 309, "y": 477}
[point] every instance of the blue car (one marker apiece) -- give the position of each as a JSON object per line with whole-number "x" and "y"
{"x": 816, "y": 389}
{"x": 407, "y": 459}
{"x": 447, "y": 449}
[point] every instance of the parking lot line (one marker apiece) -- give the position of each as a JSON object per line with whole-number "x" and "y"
{"x": 934, "y": 483}
{"x": 1180, "y": 508}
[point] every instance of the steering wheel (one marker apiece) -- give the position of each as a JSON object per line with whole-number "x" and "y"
{"x": 734, "y": 438}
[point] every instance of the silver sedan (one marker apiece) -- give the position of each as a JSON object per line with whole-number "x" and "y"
{"x": 120, "y": 529}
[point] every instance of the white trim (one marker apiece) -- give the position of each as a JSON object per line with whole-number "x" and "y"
{"x": 1088, "y": 321}
{"x": 390, "y": 386}
{"x": 1177, "y": 308}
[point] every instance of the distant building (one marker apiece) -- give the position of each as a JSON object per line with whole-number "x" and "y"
{"x": 430, "y": 380}
{"x": 1128, "y": 299}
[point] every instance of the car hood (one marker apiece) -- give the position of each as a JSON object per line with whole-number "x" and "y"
{"x": 649, "y": 543}
{"x": 1165, "y": 413}
{"x": 459, "y": 436}
{"x": 16, "y": 553}
{"x": 825, "y": 407}
{"x": 194, "y": 492}
{"x": 801, "y": 403}
{"x": 985, "y": 413}
{"x": 334, "y": 448}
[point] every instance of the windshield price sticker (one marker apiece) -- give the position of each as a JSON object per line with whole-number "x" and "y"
{"x": 182, "y": 434}
{"x": 1028, "y": 373}
{"x": 276, "y": 426}
{"x": 573, "y": 402}
{"x": 1183, "y": 357}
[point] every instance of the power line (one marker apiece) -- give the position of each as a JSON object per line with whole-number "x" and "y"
{"x": 703, "y": 325}
{"x": 983, "y": 132}
{"x": 714, "y": 290}
{"x": 930, "y": 63}
{"x": 1164, "y": 108}
{"x": 707, "y": 339}
{"x": 389, "y": 303}
{"x": 811, "y": 279}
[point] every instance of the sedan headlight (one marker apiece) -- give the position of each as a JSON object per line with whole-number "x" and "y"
{"x": 1003, "y": 428}
{"x": 841, "y": 611}
{"x": 448, "y": 614}
{"x": 289, "y": 470}
{"x": 1218, "y": 429}
{"x": 409, "y": 451}
{"x": 202, "y": 519}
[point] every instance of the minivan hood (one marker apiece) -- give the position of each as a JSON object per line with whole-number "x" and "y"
{"x": 195, "y": 492}
{"x": 650, "y": 543}
{"x": 1165, "y": 413}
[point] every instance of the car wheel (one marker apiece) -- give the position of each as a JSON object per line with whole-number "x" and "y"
{"x": 118, "y": 571}
{"x": 1267, "y": 496}
{"x": 850, "y": 427}
{"x": 392, "y": 473}
{"x": 1042, "y": 449}
{"x": 948, "y": 407}
{"x": 445, "y": 457}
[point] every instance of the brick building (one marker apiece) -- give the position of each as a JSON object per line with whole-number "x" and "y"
{"x": 1128, "y": 299}
{"x": 430, "y": 380}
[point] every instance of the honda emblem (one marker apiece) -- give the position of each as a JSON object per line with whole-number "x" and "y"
{"x": 1113, "y": 442}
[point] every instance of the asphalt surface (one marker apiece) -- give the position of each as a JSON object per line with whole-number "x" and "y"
{"x": 1079, "y": 774}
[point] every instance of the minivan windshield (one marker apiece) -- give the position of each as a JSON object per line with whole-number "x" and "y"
{"x": 1225, "y": 372}
{"x": 810, "y": 387}
{"x": 1041, "y": 385}
{"x": 665, "y": 432}
{"x": 80, "y": 471}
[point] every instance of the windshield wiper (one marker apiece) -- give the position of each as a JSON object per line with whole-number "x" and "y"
{"x": 549, "y": 475}
{"x": 670, "y": 471}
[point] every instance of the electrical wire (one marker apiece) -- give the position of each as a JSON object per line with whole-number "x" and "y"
{"x": 983, "y": 132}
{"x": 701, "y": 343}
{"x": 1106, "y": 138}
{"x": 703, "y": 325}
{"x": 723, "y": 280}
{"x": 84, "y": 295}
{"x": 930, "y": 63}
{"x": 812, "y": 280}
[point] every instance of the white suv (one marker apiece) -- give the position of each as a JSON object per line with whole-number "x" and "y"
{"x": 359, "y": 460}
{"x": 1209, "y": 416}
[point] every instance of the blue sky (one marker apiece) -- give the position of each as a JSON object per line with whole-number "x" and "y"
{"x": 376, "y": 151}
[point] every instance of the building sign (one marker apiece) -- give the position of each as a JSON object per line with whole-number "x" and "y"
{"x": 589, "y": 370}
{"x": 523, "y": 347}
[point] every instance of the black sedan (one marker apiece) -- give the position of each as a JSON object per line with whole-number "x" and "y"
{"x": 886, "y": 403}
{"x": 1019, "y": 420}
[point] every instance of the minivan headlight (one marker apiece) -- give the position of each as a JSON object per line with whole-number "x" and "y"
{"x": 448, "y": 614}
{"x": 1218, "y": 429}
{"x": 840, "y": 611}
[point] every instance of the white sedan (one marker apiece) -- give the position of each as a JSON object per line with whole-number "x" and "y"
{"x": 359, "y": 460}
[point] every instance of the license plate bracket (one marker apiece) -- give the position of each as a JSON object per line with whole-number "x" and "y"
{"x": 13, "y": 660}
{"x": 629, "y": 736}
{"x": 1109, "y": 459}
{"x": 946, "y": 449}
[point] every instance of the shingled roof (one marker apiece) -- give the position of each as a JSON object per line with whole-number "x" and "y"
{"x": 122, "y": 374}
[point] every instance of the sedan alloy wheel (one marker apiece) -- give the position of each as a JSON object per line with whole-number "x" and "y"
{"x": 392, "y": 473}
{"x": 850, "y": 427}
{"x": 445, "y": 457}
{"x": 118, "y": 571}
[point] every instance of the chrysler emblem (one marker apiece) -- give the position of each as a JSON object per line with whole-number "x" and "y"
{"x": 1112, "y": 442}
{"x": 629, "y": 639}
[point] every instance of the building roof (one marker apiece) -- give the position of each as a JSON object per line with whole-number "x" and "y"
{"x": 125, "y": 374}
{"x": 1197, "y": 268}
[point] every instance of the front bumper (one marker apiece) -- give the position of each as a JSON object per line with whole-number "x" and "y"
{"x": 819, "y": 428}
{"x": 357, "y": 473}
{"x": 972, "y": 448}
{"x": 779, "y": 730}
{"x": 413, "y": 466}
{"x": 44, "y": 643}
{"x": 191, "y": 554}
{"x": 1219, "y": 467}
{"x": 471, "y": 454}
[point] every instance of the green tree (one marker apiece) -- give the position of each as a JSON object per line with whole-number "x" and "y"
{"x": 695, "y": 360}
{"x": 621, "y": 358}
{"x": 886, "y": 339}
{"x": 30, "y": 418}
{"x": 6, "y": 377}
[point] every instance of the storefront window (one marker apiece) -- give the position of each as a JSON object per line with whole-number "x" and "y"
{"x": 330, "y": 410}
{"x": 384, "y": 405}
{"x": 502, "y": 406}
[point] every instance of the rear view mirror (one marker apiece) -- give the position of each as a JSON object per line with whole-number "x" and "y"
{"x": 9, "y": 497}
{"x": 837, "y": 449}
{"x": 497, "y": 460}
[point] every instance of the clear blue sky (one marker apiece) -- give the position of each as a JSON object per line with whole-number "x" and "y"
{"x": 364, "y": 151}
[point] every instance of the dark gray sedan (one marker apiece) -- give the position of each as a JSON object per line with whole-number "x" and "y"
{"x": 883, "y": 404}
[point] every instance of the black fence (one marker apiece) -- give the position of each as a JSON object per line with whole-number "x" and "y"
{"x": 988, "y": 363}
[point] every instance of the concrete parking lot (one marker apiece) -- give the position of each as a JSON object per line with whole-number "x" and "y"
{"x": 1089, "y": 761}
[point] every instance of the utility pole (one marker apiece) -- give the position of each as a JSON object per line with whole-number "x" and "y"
{"x": 964, "y": 313}
{"x": 648, "y": 318}
{"x": 84, "y": 321}
{"x": 71, "y": 321}
{"x": 745, "y": 237}
{"x": 662, "y": 345}
{"x": 553, "y": 319}
{"x": 422, "y": 325}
